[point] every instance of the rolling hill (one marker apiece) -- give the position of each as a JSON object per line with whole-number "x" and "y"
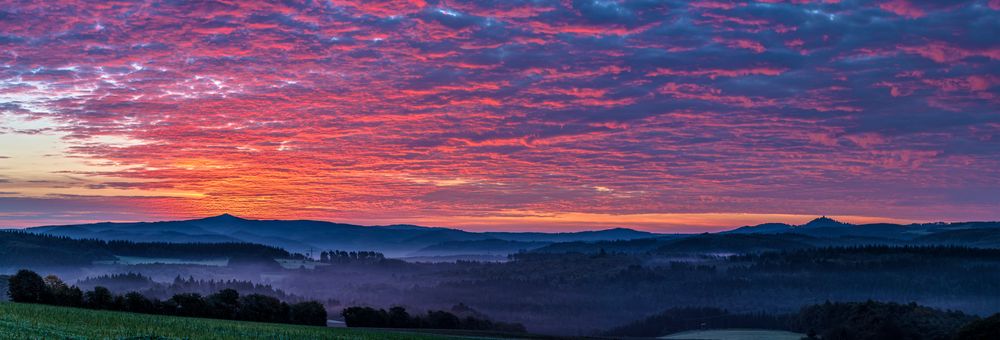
{"x": 821, "y": 232}
{"x": 418, "y": 241}
{"x": 827, "y": 227}
{"x": 303, "y": 235}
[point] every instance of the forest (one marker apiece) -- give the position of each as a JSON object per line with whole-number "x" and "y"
{"x": 24, "y": 249}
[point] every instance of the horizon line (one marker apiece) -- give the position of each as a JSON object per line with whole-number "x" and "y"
{"x": 642, "y": 225}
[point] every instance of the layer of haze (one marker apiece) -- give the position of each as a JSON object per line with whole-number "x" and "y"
{"x": 508, "y": 115}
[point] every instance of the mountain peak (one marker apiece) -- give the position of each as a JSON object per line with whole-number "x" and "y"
{"x": 825, "y": 222}
{"x": 225, "y": 217}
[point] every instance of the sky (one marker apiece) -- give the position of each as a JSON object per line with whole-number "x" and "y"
{"x": 500, "y": 115}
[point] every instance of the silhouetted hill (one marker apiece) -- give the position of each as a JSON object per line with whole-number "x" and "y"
{"x": 766, "y": 228}
{"x": 411, "y": 240}
{"x": 825, "y": 222}
{"x": 825, "y": 227}
{"x": 822, "y": 232}
{"x": 596, "y": 235}
{"x": 305, "y": 235}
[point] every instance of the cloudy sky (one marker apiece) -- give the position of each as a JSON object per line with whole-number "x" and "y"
{"x": 509, "y": 114}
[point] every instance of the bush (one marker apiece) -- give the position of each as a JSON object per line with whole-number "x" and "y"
{"x": 365, "y": 317}
{"x": 256, "y": 307}
{"x": 308, "y": 313}
{"x": 189, "y": 304}
{"x": 137, "y": 303}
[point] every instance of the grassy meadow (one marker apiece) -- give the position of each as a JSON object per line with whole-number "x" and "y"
{"x": 735, "y": 334}
{"x": 30, "y": 321}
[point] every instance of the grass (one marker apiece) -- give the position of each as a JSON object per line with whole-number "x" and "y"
{"x": 29, "y": 321}
{"x": 735, "y": 334}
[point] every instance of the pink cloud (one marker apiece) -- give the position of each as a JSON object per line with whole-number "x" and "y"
{"x": 902, "y": 8}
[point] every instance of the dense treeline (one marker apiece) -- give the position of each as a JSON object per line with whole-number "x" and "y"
{"x": 340, "y": 256}
{"x": 19, "y": 248}
{"x": 28, "y": 287}
{"x": 398, "y": 317}
{"x": 878, "y": 320}
{"x": 118, "y": 282}
{"x": 23, "y": 249}
{"x": 126, "y": 282}
{"x": 197, "y": 250}
{"x": 829, "y": 321}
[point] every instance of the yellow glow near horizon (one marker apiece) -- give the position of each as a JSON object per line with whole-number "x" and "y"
{"x": 656, "y": 222}
{"x": 38, "y": 164}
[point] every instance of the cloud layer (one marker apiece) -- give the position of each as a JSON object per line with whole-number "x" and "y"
{"x": 510, "y": 114}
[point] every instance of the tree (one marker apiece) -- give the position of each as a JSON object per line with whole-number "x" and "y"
{"x": 27, "y": 286}
{"x": 189, "y": 304}
{"x": 399, "y": 318}
{"x": 137, "y": 303}
{"x": 308, "y": 313}
{"x": 54, "y": 282}
{"x": 61, "y": 294}
{"x": 441, "y": 320}
{"x": 224, "y": 304}
{"x": 365, "y": 317}
{"x": 99, "y": 298}
{"x": 256, "y": 307}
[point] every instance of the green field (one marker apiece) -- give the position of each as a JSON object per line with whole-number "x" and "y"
{"x": 735, "y": 334}
{"x": 29, "y": 321}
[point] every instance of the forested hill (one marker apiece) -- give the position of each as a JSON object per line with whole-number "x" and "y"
{"x": 18, "y": 248}
{"x": 302, "y": 235}
{"x": 409, "y": 240}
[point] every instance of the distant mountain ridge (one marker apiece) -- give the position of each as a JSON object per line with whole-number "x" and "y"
{"x": 828, "y": 227}
{"x": 820, "y": 232}
{"x": 305, "y": 235}
{"x": 418, "y": 241}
